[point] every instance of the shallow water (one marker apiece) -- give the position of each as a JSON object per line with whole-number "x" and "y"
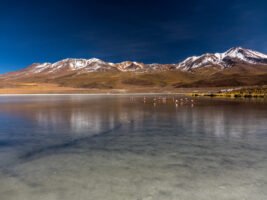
{"x": 122, "y": 147}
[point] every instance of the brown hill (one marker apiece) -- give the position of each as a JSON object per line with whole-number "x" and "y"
{"x": 235, "y": 67}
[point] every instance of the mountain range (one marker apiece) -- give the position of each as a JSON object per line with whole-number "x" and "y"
{"x": 235, "y": 67}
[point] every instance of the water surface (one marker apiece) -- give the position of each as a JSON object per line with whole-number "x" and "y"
{"x": 108, "y": 147}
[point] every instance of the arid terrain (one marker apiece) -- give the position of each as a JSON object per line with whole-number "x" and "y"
{"x": 237, "y": 67}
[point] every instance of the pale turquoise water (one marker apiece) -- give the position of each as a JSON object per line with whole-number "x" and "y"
{"x": 120, "y": 147}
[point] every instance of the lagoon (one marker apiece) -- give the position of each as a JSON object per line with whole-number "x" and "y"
{"x": 132, "y": 147}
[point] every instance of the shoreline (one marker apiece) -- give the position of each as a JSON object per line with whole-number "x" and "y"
{"x": 55, "y": 90}
{"x": 93, "y": 94}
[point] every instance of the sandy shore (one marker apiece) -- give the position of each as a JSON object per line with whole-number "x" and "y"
{"x": 47, "y": 88}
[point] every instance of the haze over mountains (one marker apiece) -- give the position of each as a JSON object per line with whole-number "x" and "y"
{"x": 236, "y": 66}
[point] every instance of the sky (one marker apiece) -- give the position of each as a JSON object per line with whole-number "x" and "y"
{"x": 149, "y": 31}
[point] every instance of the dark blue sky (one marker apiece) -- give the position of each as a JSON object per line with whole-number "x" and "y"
{"x": 165, "y": 31}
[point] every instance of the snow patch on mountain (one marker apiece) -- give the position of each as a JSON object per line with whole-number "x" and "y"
{"x": 224, "y": 60}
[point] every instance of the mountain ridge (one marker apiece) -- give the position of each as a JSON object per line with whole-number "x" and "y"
{"x": 234, "y": 67}
{"x": 222, "y": 60}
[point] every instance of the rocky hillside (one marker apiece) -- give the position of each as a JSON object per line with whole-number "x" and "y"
{"x": 237, "y": 66}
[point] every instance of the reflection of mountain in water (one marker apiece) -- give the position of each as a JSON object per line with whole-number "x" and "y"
{"x": 77, "y": 147}
{"x": 89, "y": 116}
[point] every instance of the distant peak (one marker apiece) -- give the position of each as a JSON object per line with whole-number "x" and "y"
{"x": 95, "y": 60}
{"x": 77, "y": 59}
{"x": 239, "y": 51}
{"x": 236, "y": 49}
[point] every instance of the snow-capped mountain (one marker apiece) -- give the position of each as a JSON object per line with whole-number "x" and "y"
{"x": 228, "y": 59}
{"x": 235, "y": 67}
{"x": 90, "y": 65}
{"x": 224, "y": 60}
{"x": 83, "y": 66}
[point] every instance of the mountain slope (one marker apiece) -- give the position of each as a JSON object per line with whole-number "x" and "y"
{"x": 237, "y": 66}
{"x": 228, "y": 59}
